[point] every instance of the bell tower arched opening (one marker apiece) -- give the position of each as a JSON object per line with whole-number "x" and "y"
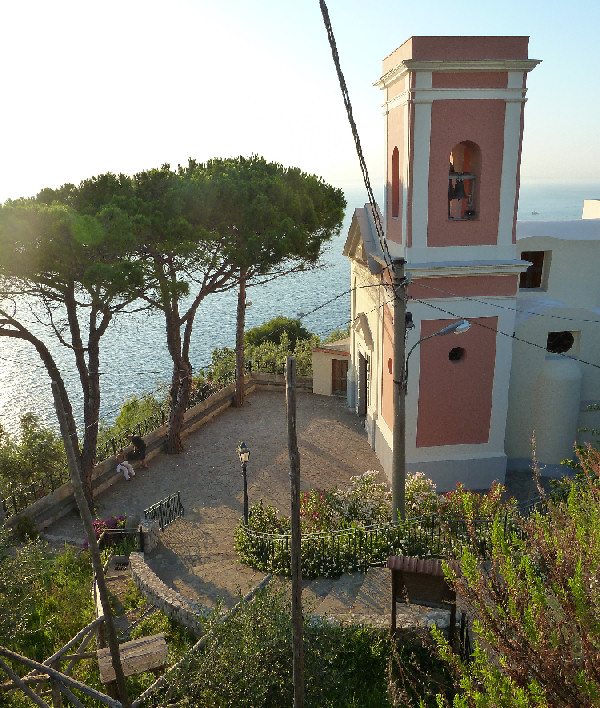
{"x": 463, "y": 189}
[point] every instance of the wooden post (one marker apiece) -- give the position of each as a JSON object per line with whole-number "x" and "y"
{"x": 240, "y": 369}
{"x": 57, "y": 701}
{"x": 88, "y": 524}
{"x": 297, "y": 624}
{"x": 399, "y": 429}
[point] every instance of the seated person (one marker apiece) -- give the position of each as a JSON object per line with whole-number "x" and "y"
{"x": 123, "y": 466}
{"x": 139, "y": 450}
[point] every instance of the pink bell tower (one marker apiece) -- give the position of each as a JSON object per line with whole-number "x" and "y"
{"x": 454, "y": 125}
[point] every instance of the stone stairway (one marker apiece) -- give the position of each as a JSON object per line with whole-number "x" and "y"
{"x": 365, "y": 598}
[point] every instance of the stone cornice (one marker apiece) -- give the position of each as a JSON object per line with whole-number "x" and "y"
{"x": 427, "y": 95}
{"x": 446, "y": 269}
{"x": 496, "y": 65}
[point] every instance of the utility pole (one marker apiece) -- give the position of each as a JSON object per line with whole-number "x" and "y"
{"x": 399, "y": 431}
{"x": 297, "y": 622}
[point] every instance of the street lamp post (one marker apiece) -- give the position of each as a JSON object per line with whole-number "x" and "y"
{"x": 244, "y": 455}
{"x": 457, "y": 328}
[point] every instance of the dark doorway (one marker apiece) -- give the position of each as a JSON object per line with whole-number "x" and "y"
{"x": 339, "y": 376}
{"x": 362, "y": 384}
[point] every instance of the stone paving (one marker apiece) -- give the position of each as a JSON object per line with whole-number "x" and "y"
{"x": 196, "y": 555}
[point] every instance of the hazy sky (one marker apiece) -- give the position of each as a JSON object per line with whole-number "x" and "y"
{"x": 124, "y": 85}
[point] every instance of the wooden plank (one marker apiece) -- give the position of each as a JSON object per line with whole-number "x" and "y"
{"x": 145, "y": 654}
{"x": 100, "y": 698}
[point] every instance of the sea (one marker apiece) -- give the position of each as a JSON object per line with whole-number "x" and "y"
{"x": 134, "y": 358}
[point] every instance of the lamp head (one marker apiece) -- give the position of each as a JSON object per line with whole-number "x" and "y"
{"x": 243, "y": 452}
{"x": 462, "y": 326}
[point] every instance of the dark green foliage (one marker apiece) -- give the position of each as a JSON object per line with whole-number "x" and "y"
{"x": 247, "y": 661}
{"x": 265, "y": 357}
{"x": 45, "y": 599}
{"x": 536, "y": 605}
{"x": 417, "y": 673}
{"x": 134, "y": 410}
{"x": 273, "y": 330}
{"x": 336, "y": 335}
{"x": 37, "y": 453}
{"x": 25, "y": 529}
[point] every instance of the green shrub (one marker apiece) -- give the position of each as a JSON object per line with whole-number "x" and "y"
{"x": 267, "y": 353}
{"x": 462, "y": 503}
{"x": 273, "y": 330}
{"x": 25, "y": 529}
{"x": 45, "y": 598}
{"x": 134, "y": 410}
{"x": 37, "y": 453}
{"x": 536, "y": 603}
{"x": 247, "y": 661}
{"x": 336, "y": 335}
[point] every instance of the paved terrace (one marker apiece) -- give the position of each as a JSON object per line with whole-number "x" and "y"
{"x": 196, "y": 555}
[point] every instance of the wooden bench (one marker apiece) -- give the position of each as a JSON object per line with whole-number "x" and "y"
{"x": 145, "y": 654}
{"x": 421, "y": 581}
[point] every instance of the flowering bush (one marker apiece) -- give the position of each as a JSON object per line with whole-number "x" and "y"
{"x": 100, "y": 526}
{"x": 335, "y": 526}
{"x": 319, "y": 511}
{"x": 421, "y": 499}
{"x": 365, "y": 502}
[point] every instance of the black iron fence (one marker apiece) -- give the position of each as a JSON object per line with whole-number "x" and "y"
{"x": 22, "y": 497}
{"x": 165, "y": 511}
{"x": 357, "y": 548}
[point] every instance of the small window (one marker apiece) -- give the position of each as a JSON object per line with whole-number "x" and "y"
{"x": 465, "y": 160}
{"x": 456, "y": 354}
{"x": 533, "y": 276}
{"x": 560, "y": 342}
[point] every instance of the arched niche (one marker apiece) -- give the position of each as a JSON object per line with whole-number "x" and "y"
{"x": 463, "y": 185}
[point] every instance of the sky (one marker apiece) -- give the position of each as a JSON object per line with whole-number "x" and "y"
{"x": 125, "y": 85}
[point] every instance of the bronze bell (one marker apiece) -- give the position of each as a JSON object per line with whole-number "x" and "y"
{"x": 459, "y": 190}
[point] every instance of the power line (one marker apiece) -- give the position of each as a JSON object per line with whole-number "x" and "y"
{"x": 505, "y": 334}
{"x": 505, "y": 307}
{"x": 363, "y": 165}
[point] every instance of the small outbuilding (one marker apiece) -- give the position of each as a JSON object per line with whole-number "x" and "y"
{"x": 330, "y": 368}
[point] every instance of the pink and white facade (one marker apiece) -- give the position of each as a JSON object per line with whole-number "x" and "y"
{"x": 453, "y": 110}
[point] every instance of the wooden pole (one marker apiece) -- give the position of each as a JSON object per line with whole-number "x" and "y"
{"x": 240, "y": 369}
{"x": 297, "y": 623}
{"x": 88, "y": 524}
{"x": 399, "y": 430}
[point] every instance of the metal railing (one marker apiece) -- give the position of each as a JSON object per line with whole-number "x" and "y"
{"x": 165, "y": 511}
{"x": 357, "y": 548}
{"x": 116, "y": 537}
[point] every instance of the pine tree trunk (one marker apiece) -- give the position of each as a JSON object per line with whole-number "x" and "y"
{"x": 181, "y": 384}
{"x": 76, "y": 475}
{"x": 239, "y": 341}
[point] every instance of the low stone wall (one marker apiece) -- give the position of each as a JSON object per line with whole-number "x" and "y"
{"x": 150, "y": 531}
{"x": 54, "y": 506}
{"x": 186, "y": 612}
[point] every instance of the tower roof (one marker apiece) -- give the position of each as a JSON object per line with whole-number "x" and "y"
{"x": 458, "y": 48}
